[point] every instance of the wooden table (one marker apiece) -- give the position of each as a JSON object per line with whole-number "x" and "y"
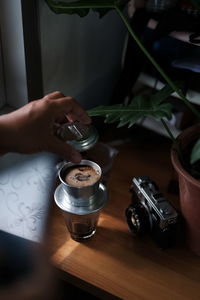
{"x": 114, "y": 263}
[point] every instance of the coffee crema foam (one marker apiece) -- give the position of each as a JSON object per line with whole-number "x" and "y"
{"x": 81, "y": 175}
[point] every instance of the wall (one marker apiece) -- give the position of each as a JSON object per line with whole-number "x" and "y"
{"x": 81, "y": 56}
{"x": 13, "y": 52}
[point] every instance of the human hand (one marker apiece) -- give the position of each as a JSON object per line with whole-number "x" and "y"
{"x": 30, "y": 129}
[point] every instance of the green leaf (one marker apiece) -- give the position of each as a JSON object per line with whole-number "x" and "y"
{"x": 141, "y": 106}
{"x": 195, "y": 153}
{"x": 82, "y": 7}
{"x": 165, "y": 92}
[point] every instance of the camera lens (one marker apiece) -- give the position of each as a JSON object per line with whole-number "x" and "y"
{"x": 137, "y": 219}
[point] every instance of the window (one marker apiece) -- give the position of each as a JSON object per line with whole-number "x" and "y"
{"x": 2, "y": 83}
{"x": 20, "y": 64}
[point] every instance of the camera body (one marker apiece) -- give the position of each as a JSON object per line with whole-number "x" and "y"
{"x": 149, "y": 212}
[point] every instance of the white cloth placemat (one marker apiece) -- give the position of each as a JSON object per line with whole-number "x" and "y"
{"x": 27, "y": 183}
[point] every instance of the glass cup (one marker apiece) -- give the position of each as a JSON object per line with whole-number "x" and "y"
{"x": 81, "y": 227}
{"x": 81, "y": 196}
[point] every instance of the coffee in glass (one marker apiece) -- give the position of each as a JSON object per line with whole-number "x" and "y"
{"x": 81, "y": 197}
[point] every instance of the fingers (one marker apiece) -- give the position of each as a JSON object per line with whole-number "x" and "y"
{"x": 72, "y": 109}
{"x": 64, "y": 150}
{"x": 83, "y": 118}
{"x": 60, "y": 107}
{"x": 67, "y": 106}
{"x": 54, "y": 95}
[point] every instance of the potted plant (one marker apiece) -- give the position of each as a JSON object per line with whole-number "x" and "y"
{"x": 185, "y": 152}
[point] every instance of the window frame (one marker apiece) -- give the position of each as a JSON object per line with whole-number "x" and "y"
{"x": 21, "y": 74}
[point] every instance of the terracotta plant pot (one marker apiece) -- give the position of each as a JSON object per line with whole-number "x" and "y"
{"x": 189, "y": 188}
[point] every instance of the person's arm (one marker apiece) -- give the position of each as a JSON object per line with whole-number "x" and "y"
{"x": 30, "y": 129}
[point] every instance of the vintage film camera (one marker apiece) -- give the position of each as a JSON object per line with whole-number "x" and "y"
{"x": 149, "y": 212}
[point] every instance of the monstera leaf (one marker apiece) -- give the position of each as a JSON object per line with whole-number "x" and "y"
{"x": 141, "y": 106}
{"x": 82, "y": 8}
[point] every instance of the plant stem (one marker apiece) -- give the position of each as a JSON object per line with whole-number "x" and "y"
{"x": 152, "y": 60}
{"x": 174, "y": 140}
